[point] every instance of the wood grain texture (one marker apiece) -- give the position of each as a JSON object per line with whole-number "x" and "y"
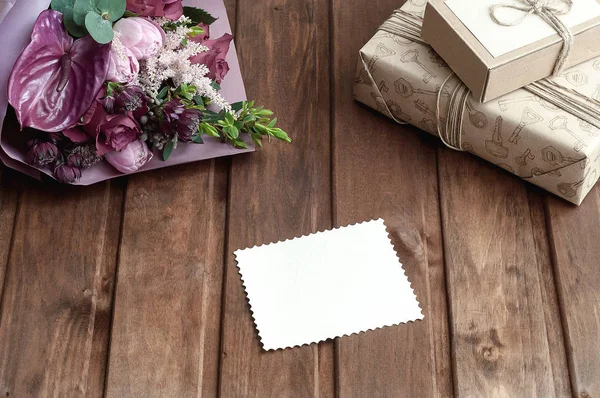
{"x": 165, "y": 334}
{"x": 55, "y": 313}
{"x": 506, "y": 337}
{"x": 385, "y": 170}
{"x": 9, "y": 195}
{"x": 281, "y": 191}
{"x": 574, "y": 242}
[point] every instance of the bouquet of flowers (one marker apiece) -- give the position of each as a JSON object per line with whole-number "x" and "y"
{"x": 119, "y": 81}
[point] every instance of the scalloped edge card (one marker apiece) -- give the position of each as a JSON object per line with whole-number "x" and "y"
{"x": 326, "y": 285}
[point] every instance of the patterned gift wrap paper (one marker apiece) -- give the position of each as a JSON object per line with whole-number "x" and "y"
{"x": 520, "y": 132}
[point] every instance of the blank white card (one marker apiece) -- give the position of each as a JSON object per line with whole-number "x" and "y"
{"x": 326, "y": 285}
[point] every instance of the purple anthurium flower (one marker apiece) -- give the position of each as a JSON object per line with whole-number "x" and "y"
{"x": 55, "y": 80}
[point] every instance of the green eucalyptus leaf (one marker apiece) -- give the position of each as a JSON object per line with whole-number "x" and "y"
{"x": 62, "y": 5}
{"x": 198, "y": 15}
{"x": 113, "y": 8}
{"x": 72, "y": 27}
{"x": 100, "y": 29}
{"x": 215, "y": 85}
{"x": 168, "y": 150}
{"x": 66, "y": 8}
{"x": 129, "y": 14}
{"x": 81, "y": 8}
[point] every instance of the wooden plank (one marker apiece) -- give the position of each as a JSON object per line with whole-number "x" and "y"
{"x": 283, "y": 190}
{"x": 165, "y": 334}
{"x": 55, "y": 313}
{"x": 9, "y": 194}
{"x": 171, "y": 271}
{"x": 574, "y": 242}
{"x": 386, "y": 170}
{"x": 506, "y": 335}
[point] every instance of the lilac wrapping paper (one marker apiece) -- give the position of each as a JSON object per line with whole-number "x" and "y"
{"x": 15, "y": 31}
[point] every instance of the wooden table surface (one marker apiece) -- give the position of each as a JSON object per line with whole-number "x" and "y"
{"x": 129, "y": 288}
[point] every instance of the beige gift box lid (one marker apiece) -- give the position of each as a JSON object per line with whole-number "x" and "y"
{"x": 490, "y": 77}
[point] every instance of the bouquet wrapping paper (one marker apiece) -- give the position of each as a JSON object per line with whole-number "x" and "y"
{"x": 15, "y": 31}
{"x": 520, "y": 132}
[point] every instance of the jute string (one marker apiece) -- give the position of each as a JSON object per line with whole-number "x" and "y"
{"x": 449, "y": 129}
{"x": 548, "y": 11}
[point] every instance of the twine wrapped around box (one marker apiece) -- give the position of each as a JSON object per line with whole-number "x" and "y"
{"x": 555, "y": 123}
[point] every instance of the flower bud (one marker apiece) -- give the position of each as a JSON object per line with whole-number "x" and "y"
{"x": 67, "y": 174}
{"x": 130, "y": 159}
{"x": 42, "y": 153}
{"x": 75, "y": 160}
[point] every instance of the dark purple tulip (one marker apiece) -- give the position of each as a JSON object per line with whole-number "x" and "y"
{"x": 67, "y": 173}
{"x": 42, "y": 154}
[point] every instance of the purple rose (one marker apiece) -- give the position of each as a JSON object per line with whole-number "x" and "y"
{"x": 67, "y": 173}
{"x": 214, "y": 58}
{"x": 141, "y": 36}
{"x": 112, "y": 132}
{"x": 123, "y": 66}
{"x": 131, "y": 158}
{"x": 181, "y": 121}
{"x": 118, "y": 132}
{"x": 172, "y": 9}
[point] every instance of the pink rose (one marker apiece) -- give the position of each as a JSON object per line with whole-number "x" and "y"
{"x": 112, "y": 132}
{"x": 141, "y": 36}
{"x": 123, "y": 67}
{"x": 118, "y": 132}
{"x": 214, "y": 58}
{"x": 172, "y": 9}
{"x": 131, "y": 158}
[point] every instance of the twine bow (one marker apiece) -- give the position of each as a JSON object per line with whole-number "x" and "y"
{"x": 548, "y": 10}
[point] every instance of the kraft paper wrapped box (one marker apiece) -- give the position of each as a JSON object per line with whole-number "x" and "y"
{"x": 520, "y": 132}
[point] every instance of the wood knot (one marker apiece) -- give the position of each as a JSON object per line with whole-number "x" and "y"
{"x": 490, "y": 353}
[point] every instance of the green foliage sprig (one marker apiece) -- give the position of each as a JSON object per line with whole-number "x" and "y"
{"x": 95, "y": 17}
{"x": 254, "y": 121}
{"x": 245, "y": 118}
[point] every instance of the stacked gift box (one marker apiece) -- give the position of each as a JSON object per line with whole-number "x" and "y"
{"x": 546, "y": 132}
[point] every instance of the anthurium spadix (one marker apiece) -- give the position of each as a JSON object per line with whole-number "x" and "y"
{"x": 55, "y": 79}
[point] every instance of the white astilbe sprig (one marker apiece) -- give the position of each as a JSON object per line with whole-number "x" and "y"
{"x": 173, "y": 62}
